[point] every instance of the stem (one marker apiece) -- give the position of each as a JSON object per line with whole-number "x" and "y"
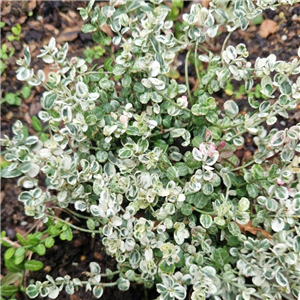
{"x": 203, "y": 48}
{"x": 196, "y": 63}
{"x": 249, "y": 163}
{"x": 14, "y": 244}
{"x": 96, "y": 72}
{"x": 73, "y": 226}
{"x": 171, "y": 101}
{"x": 112, "y": 273}
{"x": 239, "y": 287}
{"x": 186, "y": 73}
{"x": 287, "y": 297}
{"x": 202, "y": 211}
{"x": 255, "y": 124}
{"x": 224, "y": 44}
{"x": 76, "y": 214}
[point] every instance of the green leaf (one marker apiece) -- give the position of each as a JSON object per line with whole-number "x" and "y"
{"x": 221, "y": 257}
{"x": 33, "y": 265}
{"x": 66, "y": 235}
{"x": 108, "y": 64}
{"x": 177, "y": 132}
{"x": 32, "y": 291}
{"x": 231, "y": 108}
{"x": 138, "y": 87}
{"x": 296, "y": 245}
{"x": 98, "y": 291}
{"x": 49, "y": 242}
{"x": 234, "y": 228}
{"x": 207, "y": 188}
{"x": 26, "y": 91}
{"x": 83, "y": 13}
{"x": 132, "y": 130}
{"x": 8, "y": 290}
{"x": 181, "y": 263}
{"x": 36, "y": 124}
{"x": 9, "y": 253}
{"x": 199, "y": 200}
{"x": 285, "y": 87}
{"x": 186, "y": 209}
{"x": 281, "y": 279}
{"x": 271, "y": 205}
{"x": 206, "y": 220}
{"x": 11, "y": 278}
{"x": 12, "y": 99}
{"x": 90, "y": 5}
{"x": 44, "y": 137}
{"x": 182, "y": 168}
{"x": 165, "y": 268}
{"x": 118, "y": 70}
{"x": 19, "y": 259}
{"x": 125, "y": 153}
{"x": 39, "y": 249}
{"x": 252, "y": 190}
{"x": 20, "y": 252}
{"x": 48, "y": 100}
{"x": 172, "y": 173}
{"x": 226, "y": 180}
{"x": 281, "y": 192}
{"x": 172, "y": 90}
{"x": 13, "y": 267}
{"x": 16, "y": 29}
{"x": 123, "y": 284}
{"x": 90, "y": 223}
{"x": 86, "y": 28}
{"x": 258, "y": 171}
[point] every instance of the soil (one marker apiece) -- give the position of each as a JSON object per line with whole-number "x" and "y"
{"x": 40, "y": 20}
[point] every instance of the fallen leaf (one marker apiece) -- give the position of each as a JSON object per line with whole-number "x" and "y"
{"x": 254, "y": 230}
{"x": 31, "y": 5}
{"x": 9, "y": 115}
{"x": 5, "y": 8}
{"x": 205, "y": 3}
{"x": 267, "y": 28}
{"x": 22, "y": 19}
{"x": 27, "y": 118}
{"x": 69, "y": 34}
{"x": 21, "y": 231}
{"x": 34, "y": 24}
{"x": 73, "y": 14}
{"x": 70, "y": 20}
{"x": 106, "y": 29}
{"x": 51, "y": 28}
{"x": 2, "y": 196}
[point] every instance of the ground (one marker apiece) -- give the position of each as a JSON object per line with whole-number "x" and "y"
{"x": 40, "y": 20}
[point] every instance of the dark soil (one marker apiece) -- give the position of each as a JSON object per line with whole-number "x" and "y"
{"x": 61, "y": 19}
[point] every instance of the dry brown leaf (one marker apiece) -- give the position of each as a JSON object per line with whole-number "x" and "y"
{"x": 106, "y": 29}
{"x": 73, "y": 14}
{"x": 205, "y": 3}
{"x": 31, "y": 5}
{"x": 2, "y": 196}
{"x": 51, "y": 28}
{"x": 34, "y": 24}
{"x": 22, "y": 19}
{"x": 254, "y": 230}
{"x": 267, "y": 27}
{"x": 5, "y": 8}
{"x": 67, "y": 18}
{"x": 69, "y": 34}
{"x": 27, "y": 118}
{"x": 20, "y": 231}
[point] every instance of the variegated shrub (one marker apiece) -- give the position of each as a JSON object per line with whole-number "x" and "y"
{"x": 154, "y": 167}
